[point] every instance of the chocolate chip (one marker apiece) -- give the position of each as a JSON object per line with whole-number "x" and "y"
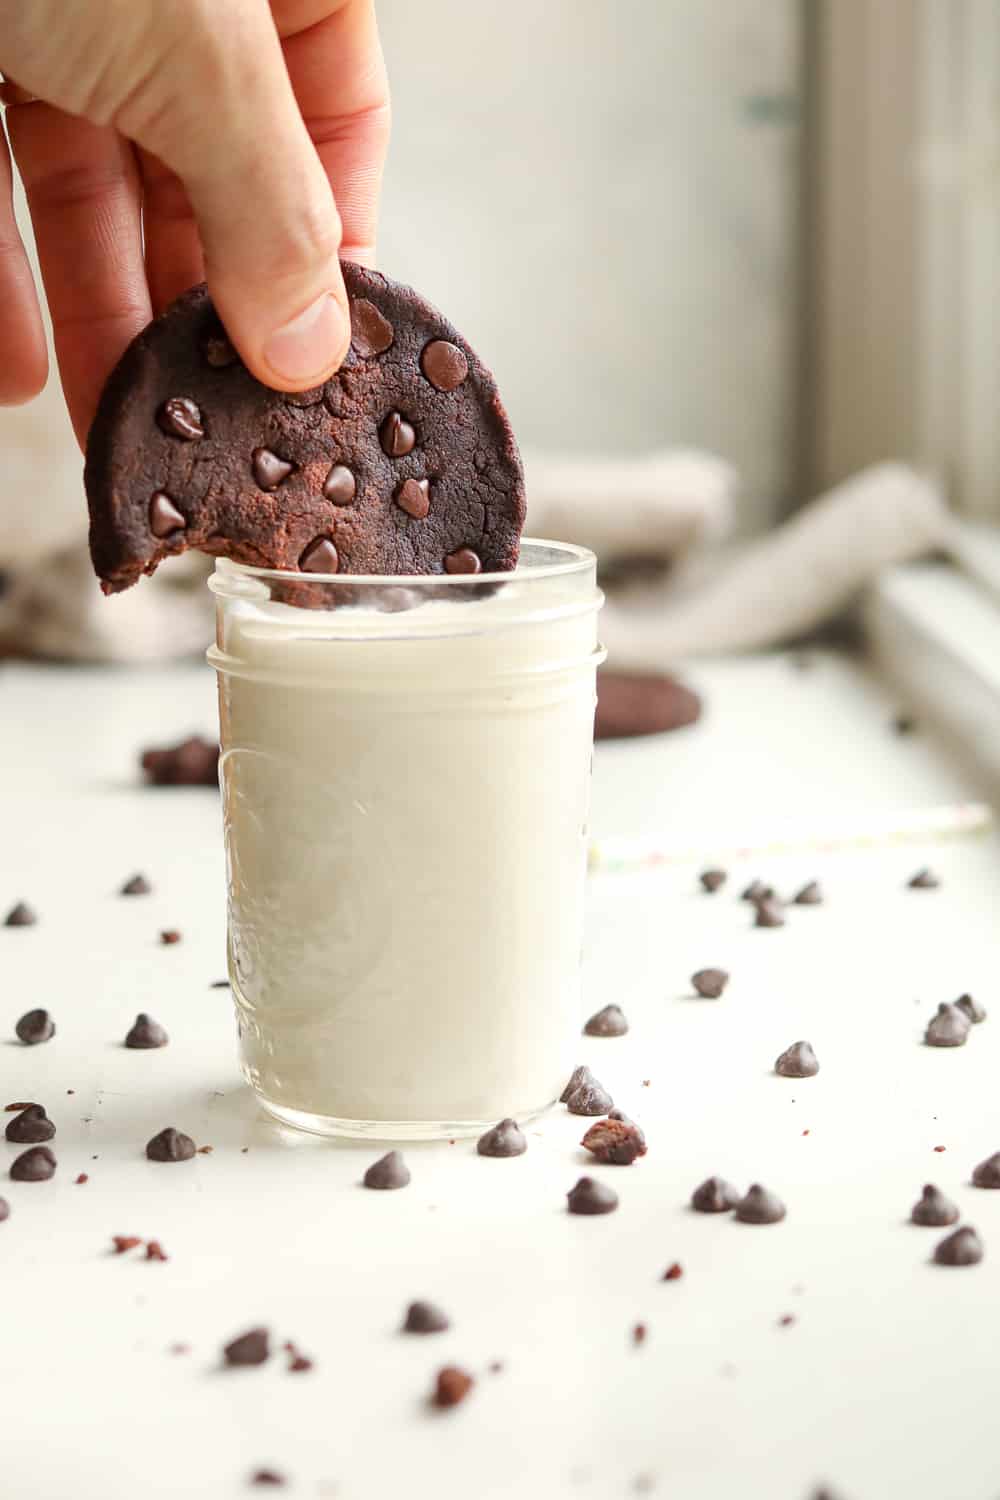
{"x": 616, "y": 1142}
{"x": 170, "y": 1145}
{"x": 639, "y": 1332}
{"x": 267, "y": 1476}
{"x": 505, "y": 1139}
{"x": 298, "y": 1364}
{"x": 371, "y": 334}
{"x": 709, "y": 983}
{"x": 4, "y": 1210}
{"x": 30, "y": 1126}
{"x": 971, "y": 1008}
{"x": 797, "y": 1061}
{"x": 180, "y": 417}
{"x": 923, "y": 880}
{"x": 138, "y": 885}
{"x": 194, "y": 762}
{"x": 578, "y": 1076}
{"x": 712, "y": 880}
{"x": 769, "y": 913}
{"x": 390, "y": 1171}
{"x": 607, "y": 1022}
{"x": 757, "y": 891}
{"x": 121, "y": 1243}
{"x": 397, "y": 436}
{"x": 810, "y": 895}
{"x": 444, "y": 364}
{"x": 591, "y": 1197}
{"x": 962, "y": 1247}
{"x": 164, "y": 517}
{"x": 760, "y": 1206}
{"x": 169, "y": 937}
{"x": 268, "y": 469}
{"x": 37, "y": 1164}
{"x": 623, "y": 1119}
{"x": 79, "y": 1180}
{"x": 451, "y": 1386}
{"x": 340, "y": 486}
{"x": 35, "y": 1026}
{"x": 155, "y": 1251}
{"x": 251, "y": 1348}
{"x": 146, "y": 1033}
{"x": 413, "y": 497}
{"x": 934, "y": 1209}
{"x": 463, "y": 561}
{"x": 714, "y": 1196}
{"x": 320, "y": 557}
{"x": 673, "y": 1272}
{"x": 987, "y": 1174}
{"x": 948, "y": 1028}
{"x": 217, "y": 351}
{"x": 589, "y": 1097}
{"x": 20, "y": 915}
{"x": 424, "y": 1317}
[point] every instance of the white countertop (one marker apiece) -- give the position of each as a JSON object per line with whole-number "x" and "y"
{"x": 885, "y": 1385}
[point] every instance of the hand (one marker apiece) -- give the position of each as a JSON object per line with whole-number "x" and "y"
{"x": 182, "y": 139}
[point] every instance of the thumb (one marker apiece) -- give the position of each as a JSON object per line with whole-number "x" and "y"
{"x": 231, "y": 129}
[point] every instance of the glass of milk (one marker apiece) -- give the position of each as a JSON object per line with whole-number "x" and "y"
{"x": 406, "y": 773}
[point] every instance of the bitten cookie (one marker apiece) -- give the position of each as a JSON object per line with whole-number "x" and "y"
{"x": 403, "y": 462}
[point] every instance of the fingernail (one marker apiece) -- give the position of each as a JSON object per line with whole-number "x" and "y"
{"x": 304, "y": 348}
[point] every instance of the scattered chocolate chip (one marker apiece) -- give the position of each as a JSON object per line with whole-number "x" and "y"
{"x": 81, "y": 1179}
{"x": 424, "y": 1317}
{"x": 390, "y": 1171}
{"x": 757, "y": 891}
{"x": 298, "y": 1363}
{"x": 205, "y": 1150}
{"x": 940, "y": 1148}
{"x": 180, "y": 417}
{"x": 674, "y": 1272}
{"x": 971, "y": 1008}
{"x": 217, "y": 351}
{"x": 37, "y": 1164}
{"x": 170, "y": 937}
{"x": 30, "y": 1126}
{"x": 124, "y": 1242}
{"x": 962, "y": 1247}
{"x": 340, "y": 486}
{"x": 616, "y": 1142}
{"x": 193, "y": 762}
{"x": 712, "y": 880}
{"x": 639, "y": 1332}
{"x": 610, "y": 1021}
{"x": 397, "y": 436}
{"x": 591, "y": 1197}
{"x": 760, "y": 1206}
{"x": 146, "y": 1033}
{"x": 35, "y": 1026}
{"x": 164, "y": 517}
{"x": 463, "y": 561}
{"x": 589, "y": 1097}
{"x": 786, "y": 1320}
{"x": 948, "y": 1028}
{"x": 4, "y": 1210}
{"x": 797, "y": 1061}
{"x": 769, "y": 913}
{"x": 444, "y": 364}
{"x": 267, "y": 1476}
{"x": 136, "y": 885}
{"x": 371, "y": 333}
{"x": 251, "y": 1348}
{"x": 321, "y": 556}
{"x": 413, "y": 496}
{"x": 268, "y": 469}
{"x": 809, "y": 895}
{"x": 715, "y": 1196}
{"x": 923, "y": 880}
{"x": 451, "y": 1386}
{"x": 504, "y": 1139}
{"x": 579, "y": 1075}
{"x": 219, "y": 984}
{"x": 623, "y": 1119}
{"x": 155, "y": 1251}
{"x": 170, "y": 1145}
{"x": 709, "y": 983}
{"x": 20, "y": 915}
{"x": 934, "y": 1209}
{"x": 987, "y": 1174}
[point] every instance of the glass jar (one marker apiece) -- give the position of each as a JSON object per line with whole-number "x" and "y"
{"x": 406, "y": 774}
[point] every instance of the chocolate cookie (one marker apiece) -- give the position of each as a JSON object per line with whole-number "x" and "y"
{"x": 403, "y": 462}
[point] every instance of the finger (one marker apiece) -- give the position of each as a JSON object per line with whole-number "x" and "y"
{"x": 24, "y": 367}
{"x": 263, "y": 205}
{"x": 83, "y": 192}
{"x": 338, "y": 74}
{"x": 174, "y": 259}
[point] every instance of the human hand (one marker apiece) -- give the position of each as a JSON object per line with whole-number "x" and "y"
{"x": 179, "y": 140}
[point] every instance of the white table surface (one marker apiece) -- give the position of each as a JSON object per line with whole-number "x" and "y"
{"x": 885, "y": 1385}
